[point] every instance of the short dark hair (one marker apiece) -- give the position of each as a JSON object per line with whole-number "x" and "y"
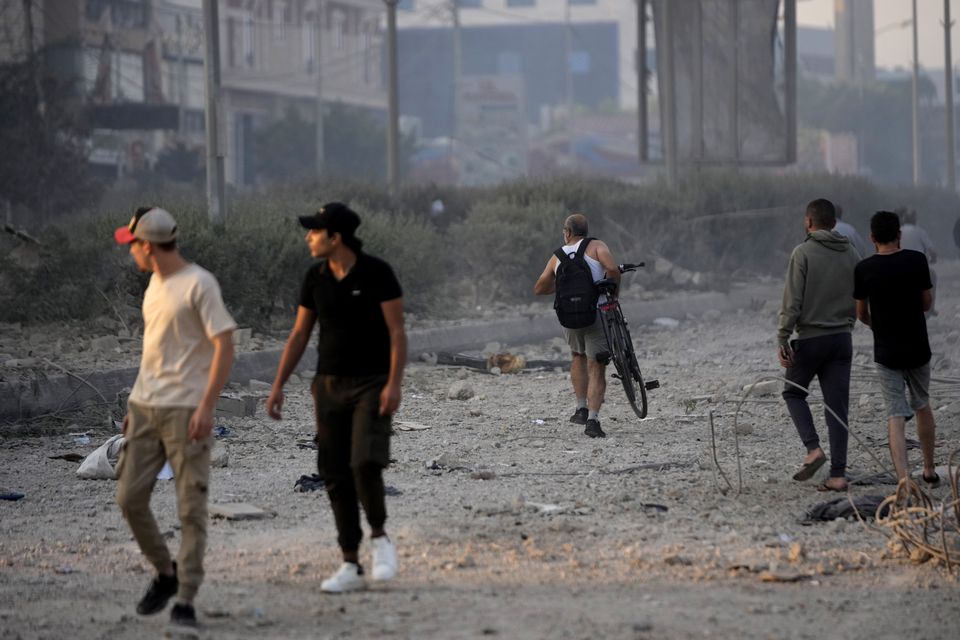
{"x": 822, "y": 212}
{"x": 884, "y": 226}
{"x": 576, "y": 224}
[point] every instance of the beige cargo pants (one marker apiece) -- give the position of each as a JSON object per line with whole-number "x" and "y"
{"x": 155, "y": 435}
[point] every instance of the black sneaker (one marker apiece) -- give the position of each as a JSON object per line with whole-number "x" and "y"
{"x": 593, "y": 429}
{"x": 158, "y": 594}
{"x": 183, "y": 615}
{"x": 580, "y": 416}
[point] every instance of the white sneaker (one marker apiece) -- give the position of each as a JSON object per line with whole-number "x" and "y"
{"x": 384, "y": 558}
{"x": 347, "y": 578}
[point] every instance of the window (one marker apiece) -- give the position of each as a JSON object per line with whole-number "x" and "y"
{"x": 247, "y": 38}
{"x": 582, "y": 1}
{"x": 309, "y": 45}
{"x": 123, "y": 73}
{"x": 579, "y": 62}
{"x": 521, "y": 3}
{"x": 405, "y": 5}
{"x": 508, "y": 62}
{"x": 470, "y": 4}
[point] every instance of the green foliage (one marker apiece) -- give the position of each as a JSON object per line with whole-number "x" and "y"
{"x": 354, "y": 146}
{"x": 879, "y": 113}
{"x": 501, "y": 246}
{"x": 43, "y": 166}
{"x": 490, "y": 245}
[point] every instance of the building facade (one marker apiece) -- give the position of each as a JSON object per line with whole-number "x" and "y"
{"x": 138, "y": 68}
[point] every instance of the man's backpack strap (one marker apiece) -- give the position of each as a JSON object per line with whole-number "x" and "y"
{"x": 581, "y": 250}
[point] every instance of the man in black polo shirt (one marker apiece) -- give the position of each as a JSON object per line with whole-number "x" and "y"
{"x": 357, "y": 303}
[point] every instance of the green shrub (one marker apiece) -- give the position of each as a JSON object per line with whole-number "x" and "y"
{"x": 501, "y": 247}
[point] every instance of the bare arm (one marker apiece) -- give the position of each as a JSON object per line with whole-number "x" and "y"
{"x": 393, "y": 316}
{"x": 605, "y": 258}
{"x": 863, "y": 312}
{"x": 201, "y": 422}
{"x": 292, "y": 352}
{"x": 927, "y": 299}
{"x": 547, "y": 282}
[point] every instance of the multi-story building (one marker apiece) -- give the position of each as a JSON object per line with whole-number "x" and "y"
{"x": 138, "y": 67}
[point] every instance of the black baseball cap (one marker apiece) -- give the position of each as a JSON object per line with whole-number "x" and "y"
{"x": 335, "y": 217}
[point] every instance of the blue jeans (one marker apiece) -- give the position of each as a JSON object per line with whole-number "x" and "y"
{"x": 828, "y": 358}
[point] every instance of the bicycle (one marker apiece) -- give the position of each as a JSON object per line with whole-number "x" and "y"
{"x": 621, "y": 345}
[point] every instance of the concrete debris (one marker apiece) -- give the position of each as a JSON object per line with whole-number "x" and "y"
{"x": 104, "y": 344}
{"x": 238, "y": 511}
{"x": 241, "y": 337}
{"x": 407, "y": 425}
{"x": 765, "y": 388}
{"x": 460, "y": 390}
{"x": 259, "y": 386}
{"x": 244, "y": 406}
{"x": 219, "y": 456}
{"x": 669, "y": 323}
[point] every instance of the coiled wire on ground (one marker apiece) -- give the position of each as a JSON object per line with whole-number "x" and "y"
{"x": 908, "y": 515}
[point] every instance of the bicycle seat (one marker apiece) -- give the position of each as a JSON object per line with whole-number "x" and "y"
{"x": 607, "y": 285}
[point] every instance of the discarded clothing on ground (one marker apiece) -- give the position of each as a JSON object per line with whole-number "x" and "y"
{"x": 308, "y": 483}
{"x": 841, "y": 508}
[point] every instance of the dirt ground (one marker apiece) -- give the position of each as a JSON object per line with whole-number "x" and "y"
{"x": 510, "y": 522}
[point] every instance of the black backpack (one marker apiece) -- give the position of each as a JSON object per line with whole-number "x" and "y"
{"x": 577, "y": 295}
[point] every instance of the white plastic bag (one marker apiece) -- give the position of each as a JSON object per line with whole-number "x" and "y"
{"x": 99, "y": 465}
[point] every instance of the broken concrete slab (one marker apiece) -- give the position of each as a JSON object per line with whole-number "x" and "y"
{"x": 237, "y": 406}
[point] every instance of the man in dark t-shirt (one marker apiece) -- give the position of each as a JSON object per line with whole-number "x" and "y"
{"x": 893, "y": 290}
{"x": 357, "y": 303}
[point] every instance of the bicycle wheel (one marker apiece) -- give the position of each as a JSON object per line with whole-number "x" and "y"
{"x": 637, "y": 376}
{"x": 626, "y": 363}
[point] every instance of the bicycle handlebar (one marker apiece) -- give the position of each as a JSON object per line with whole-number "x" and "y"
{"x": 627, "y": 267}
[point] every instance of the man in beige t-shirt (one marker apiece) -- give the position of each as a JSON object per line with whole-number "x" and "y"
{"x": 187, "y": 355}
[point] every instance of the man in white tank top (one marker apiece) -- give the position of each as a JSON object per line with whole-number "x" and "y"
{"x": 588, "y": 346}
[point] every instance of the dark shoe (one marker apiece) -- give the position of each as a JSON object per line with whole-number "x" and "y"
{"x": 808, "y": 469}
{"x": 593, "y": 429}
{"x": 183, "y": 615}
{"x": 579, "y": 416}
{"x": 158, "y": 594}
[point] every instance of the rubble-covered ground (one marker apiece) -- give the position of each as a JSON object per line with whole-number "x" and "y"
{"x": 510, "y": 522}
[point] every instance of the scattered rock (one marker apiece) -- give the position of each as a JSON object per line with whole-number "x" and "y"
{"x": 241, "y": 337}
{"x": 104, "y": 344}
{"x": 765, "y": 388}
{"x": 669, "y": 323}
{"x": 460, "y": 390}
{"x": 259, "y": 386}
{"x": 797, "y": 552}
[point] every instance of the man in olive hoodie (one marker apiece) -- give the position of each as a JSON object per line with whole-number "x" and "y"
{"x": 818, "y": 304}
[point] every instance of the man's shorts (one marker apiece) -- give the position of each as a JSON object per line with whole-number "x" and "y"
{"x": 892, "y": 383}
{"x": 589, "y": 340}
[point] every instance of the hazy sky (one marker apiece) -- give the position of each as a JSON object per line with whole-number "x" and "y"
{"x": 894, "y": 45}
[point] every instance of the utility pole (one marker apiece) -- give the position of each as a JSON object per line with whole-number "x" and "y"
{"x": 668, "y": 114}
{"x": 319, "y": 62}
{"x": 181, "y": 78}
{"x": 948, "y": 91}
{"x": 915, "y": 101}
{"x": 457, "y": 69}
{"x": 393, "y": 118}
{"x": 216, "y": 188}
{"x": 642, "y": 136}
{"x": 568, "y": 54}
